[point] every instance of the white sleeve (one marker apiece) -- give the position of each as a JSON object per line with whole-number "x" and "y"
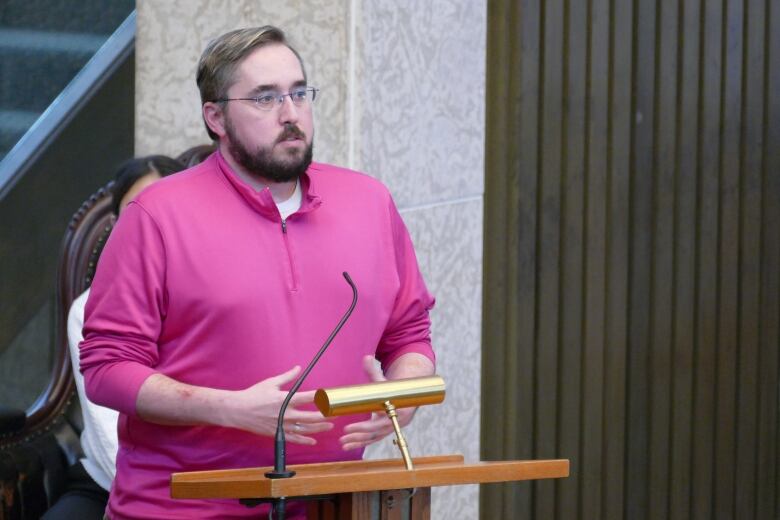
{"x": 99, "y": 438}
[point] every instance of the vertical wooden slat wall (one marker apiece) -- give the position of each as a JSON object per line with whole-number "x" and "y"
{"x": 632, "y": 257}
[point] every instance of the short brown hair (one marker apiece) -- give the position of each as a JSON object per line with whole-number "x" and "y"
{"x": 222, "y": 56}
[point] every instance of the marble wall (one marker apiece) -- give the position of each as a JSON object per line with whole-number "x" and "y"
{"x": 403, "y": 92}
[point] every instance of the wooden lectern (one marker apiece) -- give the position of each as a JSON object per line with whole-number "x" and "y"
{"x": 361, "y": 490}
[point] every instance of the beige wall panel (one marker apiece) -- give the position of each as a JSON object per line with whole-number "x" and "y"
{"x": 420, "y": 129}
{"x": 421, "y": 72}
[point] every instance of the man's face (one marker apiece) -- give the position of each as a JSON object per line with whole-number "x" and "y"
{"x": 275, "y": 145}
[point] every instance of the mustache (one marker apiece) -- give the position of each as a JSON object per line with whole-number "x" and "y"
{"x": 290, "y": 130}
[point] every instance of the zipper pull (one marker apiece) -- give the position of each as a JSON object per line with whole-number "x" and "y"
{"x": 284, "y": 226}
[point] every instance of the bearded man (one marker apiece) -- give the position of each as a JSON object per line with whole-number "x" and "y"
{"x": 220, "y": 282}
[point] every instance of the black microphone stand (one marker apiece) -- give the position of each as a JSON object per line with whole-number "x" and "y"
{"x": 280, "y": 445}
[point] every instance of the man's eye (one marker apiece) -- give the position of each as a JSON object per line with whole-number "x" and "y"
{"x": 299, "y": 94}
{"x": 265, "y": 100}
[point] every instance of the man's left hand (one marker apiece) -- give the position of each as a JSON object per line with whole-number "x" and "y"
{"x": 361, "y": 434}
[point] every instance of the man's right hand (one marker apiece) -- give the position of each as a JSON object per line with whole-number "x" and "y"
{"x": 255, "y": 409}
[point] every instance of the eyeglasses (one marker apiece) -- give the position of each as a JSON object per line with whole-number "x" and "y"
{"x": 271, "y": 99}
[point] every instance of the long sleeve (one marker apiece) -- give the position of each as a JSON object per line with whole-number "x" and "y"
{"x": 124, "y": 312}
{"x": 408, "y": 329}
{"x": 99, "y": 437}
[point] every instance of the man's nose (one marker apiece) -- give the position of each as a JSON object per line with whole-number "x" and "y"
{"x": 288, "y": 112}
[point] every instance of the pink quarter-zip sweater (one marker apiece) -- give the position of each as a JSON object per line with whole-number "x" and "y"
{"x": 201, "y": 280}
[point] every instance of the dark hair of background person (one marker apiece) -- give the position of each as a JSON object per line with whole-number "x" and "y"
{"x": 134, "y": 169}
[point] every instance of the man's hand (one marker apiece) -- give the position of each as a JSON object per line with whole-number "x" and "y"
{"x": 255, "y": 409}
{"x": 361, "y": 434}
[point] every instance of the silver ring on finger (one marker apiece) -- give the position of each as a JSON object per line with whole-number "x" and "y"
{"x": 297, "y": 427}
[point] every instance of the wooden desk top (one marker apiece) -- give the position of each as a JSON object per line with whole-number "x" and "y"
{"x": 363, "y": 475}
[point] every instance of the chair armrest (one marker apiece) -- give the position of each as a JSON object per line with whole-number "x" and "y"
{"x": 11, "y": 420}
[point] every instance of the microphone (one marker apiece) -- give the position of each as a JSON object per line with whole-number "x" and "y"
{"x": 280, "y": 446}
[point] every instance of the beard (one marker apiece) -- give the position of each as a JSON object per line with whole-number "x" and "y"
{"x": 262, "y": 163}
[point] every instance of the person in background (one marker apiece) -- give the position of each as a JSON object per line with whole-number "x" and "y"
{"x": 89, "y": 480}
{"x": 219, "y": 283}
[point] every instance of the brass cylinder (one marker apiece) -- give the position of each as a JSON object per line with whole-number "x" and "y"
{"x": 370, "y": 397}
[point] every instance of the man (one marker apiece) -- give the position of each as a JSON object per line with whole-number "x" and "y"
{"x": 238, "y": 284}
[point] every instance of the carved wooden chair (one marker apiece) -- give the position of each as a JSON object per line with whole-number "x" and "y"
{"x": 36, "y": 446}
{"x": 33, "y": 458}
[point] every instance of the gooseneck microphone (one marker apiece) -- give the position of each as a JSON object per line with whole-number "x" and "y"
{"x": 280, "y": 445}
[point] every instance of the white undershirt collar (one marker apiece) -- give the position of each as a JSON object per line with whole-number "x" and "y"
{"x": 291, "y": 205}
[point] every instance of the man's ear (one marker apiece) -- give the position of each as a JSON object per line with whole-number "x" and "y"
{"x": 214, "y": 116}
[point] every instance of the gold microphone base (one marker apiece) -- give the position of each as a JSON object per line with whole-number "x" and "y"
{"x": 399, "y": 436}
